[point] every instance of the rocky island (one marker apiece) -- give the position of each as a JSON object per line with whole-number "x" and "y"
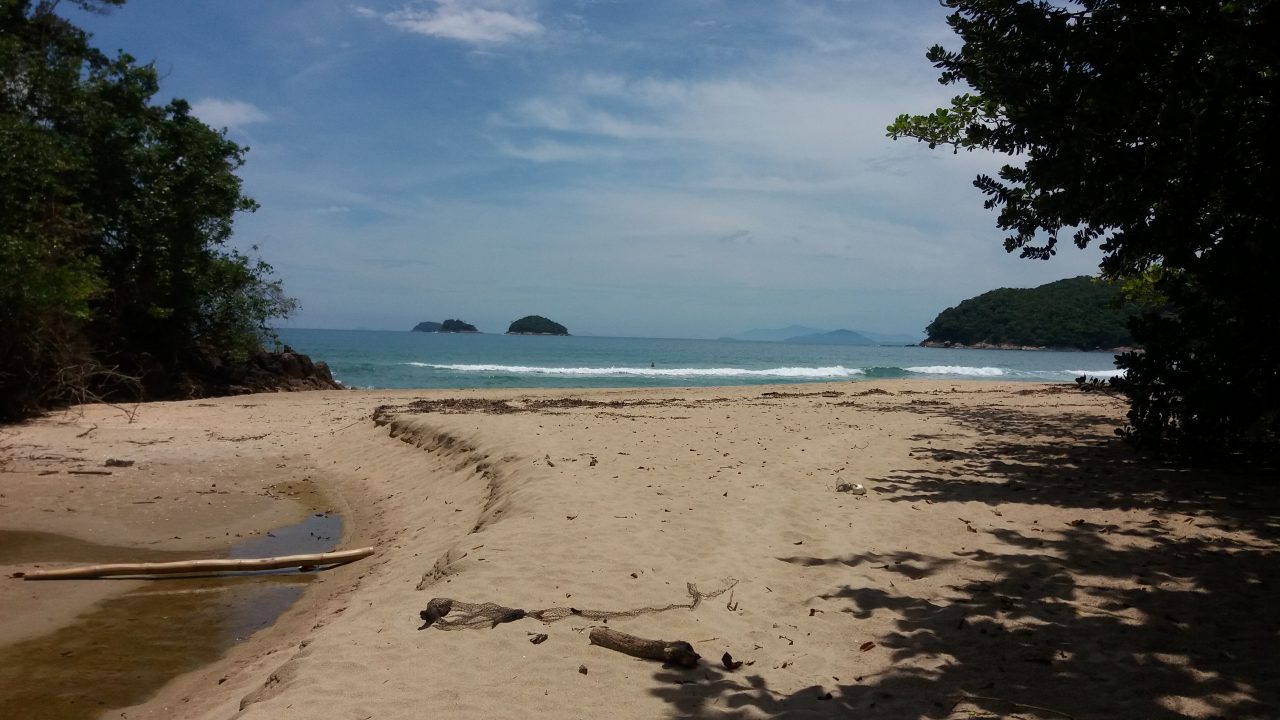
{"x": 448, "y": 326}
{"x": 536, "y": 325}
{"x": 457, "y": 326}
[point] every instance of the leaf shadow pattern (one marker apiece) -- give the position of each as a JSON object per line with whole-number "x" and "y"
{"x": 1156, "y": 602}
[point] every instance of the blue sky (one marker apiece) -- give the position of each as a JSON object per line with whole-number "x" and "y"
{"x": 663, "y": 168}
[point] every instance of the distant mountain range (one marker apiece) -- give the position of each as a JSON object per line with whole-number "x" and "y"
{"x": 800, "y": 334}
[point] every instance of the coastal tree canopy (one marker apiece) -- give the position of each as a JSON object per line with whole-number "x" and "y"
{"x": 1083, "y": 312}
{"x": 115, "y": 214}
{"x": 1148, "y": 128}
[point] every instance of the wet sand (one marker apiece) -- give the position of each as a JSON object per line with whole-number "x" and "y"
{"x": 1009, "y": 556}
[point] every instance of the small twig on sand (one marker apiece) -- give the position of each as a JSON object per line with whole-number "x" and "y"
{"x": 967, "y": 696}
{"x": 240, "y": 438}
{"x": 344, "y": 427}
{"x": 86, "y": 432}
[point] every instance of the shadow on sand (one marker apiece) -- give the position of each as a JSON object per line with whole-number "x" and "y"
{"x": 1168, "y": 614}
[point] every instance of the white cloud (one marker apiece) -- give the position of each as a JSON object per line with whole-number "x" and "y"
{"x": 228, "y": 113}
{"x": 479, "y": 22}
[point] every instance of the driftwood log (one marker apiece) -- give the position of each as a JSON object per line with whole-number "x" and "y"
{"x": 200, "y": 566}
{"x": 676, "y": 652}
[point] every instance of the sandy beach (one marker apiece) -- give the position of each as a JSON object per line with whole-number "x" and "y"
{"x": 901, "y": 549}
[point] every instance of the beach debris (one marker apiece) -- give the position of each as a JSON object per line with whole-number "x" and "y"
{"x": 475, "y": 616}
{"x": 112, "y": 462}
{"x": 538, "y": 638}
{"x": 729, "y": 663}
{"x": 852, "y": 488}
{"x": 867, "y": 645}
{"x": 436, "y": 609}
{"x": 675, "y": 652}
{"x": 582, "y": 669}
{"x": 312, "y": 560}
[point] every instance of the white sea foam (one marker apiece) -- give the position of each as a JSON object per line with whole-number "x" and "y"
{"x": 836, "y": 371}
{"x": 956, "y": 370}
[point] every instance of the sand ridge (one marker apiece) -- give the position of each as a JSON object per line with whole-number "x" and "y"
{"x": 1009, "y": 557}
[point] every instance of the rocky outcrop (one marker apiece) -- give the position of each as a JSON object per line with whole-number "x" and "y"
{"x": 262, "y": 371}
{"x": 1011, "y": 346}
{"x": 427, "y": 326}
{"x": 274, "y": 371}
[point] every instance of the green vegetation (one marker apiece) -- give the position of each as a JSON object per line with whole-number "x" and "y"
{"x": 536, "y": 325}
{"x": 427, "y": 326}
{"x": 115, "y": 278}
{"x": 457, "y": 326}
{"x": 1148, "y": 128}
{"x": 1080, "y": 312}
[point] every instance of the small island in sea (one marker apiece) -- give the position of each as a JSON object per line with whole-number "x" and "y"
{"x": 448, "y": 326}
{"x": 536, "y": 325}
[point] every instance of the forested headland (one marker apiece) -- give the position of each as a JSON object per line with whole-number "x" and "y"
{"x": 117, "y": 279}
{"x": 1083, "y": 313}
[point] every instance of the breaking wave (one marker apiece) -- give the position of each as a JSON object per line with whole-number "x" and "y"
{"x": 815, "y": 373}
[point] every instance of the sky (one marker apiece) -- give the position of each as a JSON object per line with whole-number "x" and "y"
{"x": 652, "y": 168}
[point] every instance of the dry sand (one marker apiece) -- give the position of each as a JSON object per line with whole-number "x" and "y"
{"x": 1009, "y": 557}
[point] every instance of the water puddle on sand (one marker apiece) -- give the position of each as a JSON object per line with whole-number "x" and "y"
{"x": 125, "y": 648}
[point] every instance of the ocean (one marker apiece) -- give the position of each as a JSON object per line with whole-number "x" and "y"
{"x": 392, "y": 359}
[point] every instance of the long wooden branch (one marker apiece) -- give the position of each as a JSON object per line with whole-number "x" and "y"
{"x": 200, "y": 566}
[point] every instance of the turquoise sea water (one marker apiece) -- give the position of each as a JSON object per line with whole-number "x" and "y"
{"x": 388, "y": 359}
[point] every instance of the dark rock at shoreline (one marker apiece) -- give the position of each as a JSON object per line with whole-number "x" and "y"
{"x": 279, "y": 371}
{"x": 210, "y": 376}
{"x": 1010, "y": 346}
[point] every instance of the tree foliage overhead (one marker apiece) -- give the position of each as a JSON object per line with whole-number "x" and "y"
{"x": 1146, "y": 127}
{"x": 536, "y": 325}
{"x": 115, "y": 214}
{"x": 1082, "y": 312}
